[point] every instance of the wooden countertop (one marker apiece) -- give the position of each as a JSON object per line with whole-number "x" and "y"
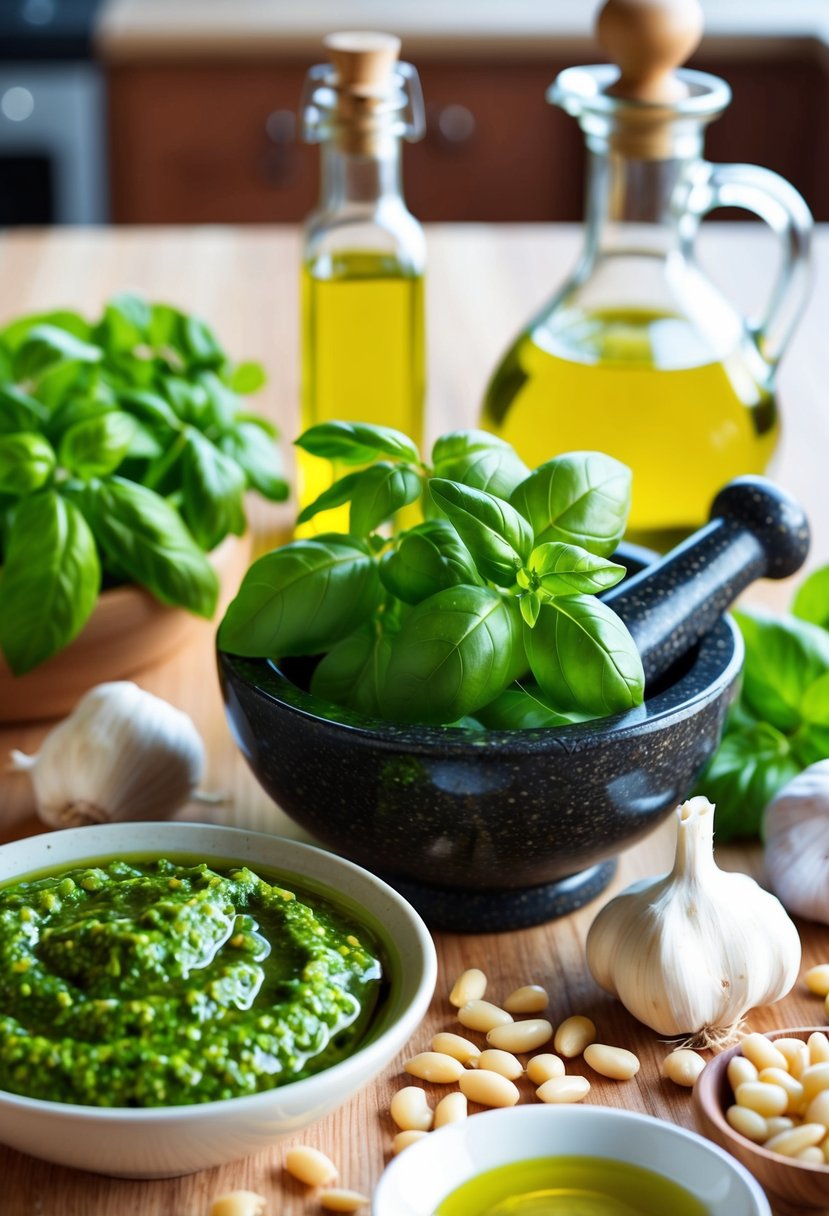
{"x": 483, "y": 283}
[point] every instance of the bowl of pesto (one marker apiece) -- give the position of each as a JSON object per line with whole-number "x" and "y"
{"x": 176, "y": 995}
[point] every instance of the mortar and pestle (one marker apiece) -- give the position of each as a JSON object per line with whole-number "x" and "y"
{"x": 505, "y": 829}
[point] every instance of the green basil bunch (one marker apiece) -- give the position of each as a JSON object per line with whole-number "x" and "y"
{"x": 779, "y": 723}
{"x": 485, "y": 614}
{"x": 125, "y": 454}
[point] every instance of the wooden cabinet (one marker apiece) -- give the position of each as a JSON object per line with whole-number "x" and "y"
{"x": 212, "y": 141}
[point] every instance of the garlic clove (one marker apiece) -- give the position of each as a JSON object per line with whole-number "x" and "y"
{"x": 122, "y": 754}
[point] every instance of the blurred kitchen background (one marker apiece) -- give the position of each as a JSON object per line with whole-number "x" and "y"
{"x": 185, "y": 111}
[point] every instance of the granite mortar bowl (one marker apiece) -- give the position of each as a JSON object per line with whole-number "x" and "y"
{"x": 502, "y": 829}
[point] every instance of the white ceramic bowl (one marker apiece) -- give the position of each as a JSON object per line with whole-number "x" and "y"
{"x": 424, "y": 1174}
{"x": 164, "y": 1141}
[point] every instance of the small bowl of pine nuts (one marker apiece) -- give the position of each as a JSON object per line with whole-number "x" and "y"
{"x": 767, "y": 1102}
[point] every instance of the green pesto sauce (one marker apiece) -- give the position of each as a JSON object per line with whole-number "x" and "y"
{"x": 153, "y": 983}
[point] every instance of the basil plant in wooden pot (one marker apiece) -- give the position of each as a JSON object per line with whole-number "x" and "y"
{"x": 483, "y": 614}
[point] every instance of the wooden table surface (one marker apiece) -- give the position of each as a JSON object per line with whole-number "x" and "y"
{"x": 483, "y": 284}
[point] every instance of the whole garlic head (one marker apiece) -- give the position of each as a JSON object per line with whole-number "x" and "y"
{"x": 689, "y": 953}
{"x": 122, "y": 753}
{"x": 796, "y": 832}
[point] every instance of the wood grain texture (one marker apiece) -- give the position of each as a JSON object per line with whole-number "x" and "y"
{"x": 483, "y": 284}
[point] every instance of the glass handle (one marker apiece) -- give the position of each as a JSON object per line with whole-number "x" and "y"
{"x": 774, "y": 200}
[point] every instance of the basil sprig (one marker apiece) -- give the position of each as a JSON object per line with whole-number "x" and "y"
{"x": 485, "y": 613}
{"x": 126, "y": 449}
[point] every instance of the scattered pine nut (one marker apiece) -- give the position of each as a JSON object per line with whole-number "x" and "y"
{"x": 488, "y": 1088}
{"x": 405, "y": 1138}
{"x": 434, "y": 1066}
{"x": 451, "y": 1109}
{"x": 455, "y": 1045}
{"x": 521, "y": 1036}
{"x": 337, "y": 1199}
{"x": 502, "y": 1062}
{"x": 544, "y": 1067}
{"x": 310, "y": 1166}
{"x": 482, "y": 1015}
{"x": 410, "y": 1109}
{"x": 573, "y": 1035}
{"x": 531, "y": 998}
{"x": 615, "y": 1062}
{"x": 683, "y": 1066}
{"x": 563, "y": 1089}
{"x": 469, "y": 986}
{"x": 238, "y": 1203}
{"x": 816, "y": 979}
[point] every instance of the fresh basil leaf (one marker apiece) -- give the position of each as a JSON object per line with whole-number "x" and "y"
{"x": 337, "y": 494}
{"x": 380, "y": 491}
{"x": 98, "y": 445}
{"x": 454, "y": 653}
{"x": 146, "y": 538}
{"x": 581, "y": 498}
{"x": 810, "y": 742}
{"x": 72, "y": 411}
{"x": 16, "y": 332}
{"x": 497, "y": 536}
{"x": 221, "y": 403}
{"x": 814, "y": 704}
{"x": 784, "y": 656}
{"x": 200, "y": 344}
{"x": 811, "y": 601}
{"x": 151, "y": 409}
{"x": 214, "y": 488}
{"x": 302, "y": 598}
{"x": 189, "y": 401}
{"x": 260, "y": 458}
{"x": 356, "y": 442}
{"x": 353, "y": 672}
{"x": 428, "y": 558}
{"x": 748, "y": 769}
{"x": 568, "y": 569}
{"x": 125, "y": 323}
{"x": 530, "y": 605}
{"x": 583, "y": 657}
{"x": 26, "y": 463}
{"x": 166, "y": 329}
{"x": 523, "y": 708}
{"x": 479, "y": 460}
{"x": 248, "y": 378}
{"x": 61, "y": 381}
{"x": 49, "y": 582}
{"x": 46, "y": 345}
{"x": 19, "y": 411}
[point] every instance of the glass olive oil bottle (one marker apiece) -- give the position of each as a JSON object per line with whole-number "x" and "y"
{"x": 363, "y": 257}
{"x": 640, "y": 354}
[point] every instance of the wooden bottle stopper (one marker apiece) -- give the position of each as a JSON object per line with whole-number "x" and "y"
{"x": 649, "y": 39}
{"x": 363, "y": 61}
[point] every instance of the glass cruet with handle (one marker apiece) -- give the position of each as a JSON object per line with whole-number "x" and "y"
{"x": 639, "y": 354}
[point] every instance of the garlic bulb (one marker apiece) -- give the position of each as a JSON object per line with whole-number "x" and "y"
{"x": 121, "y": 754}
{"x": 689, "y": 953}
{"x": 796, "y": 832}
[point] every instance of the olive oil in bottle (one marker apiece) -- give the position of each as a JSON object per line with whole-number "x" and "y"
{"x": 364, "y": 257}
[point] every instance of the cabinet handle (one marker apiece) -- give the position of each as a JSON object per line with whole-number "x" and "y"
{"x": 279, "y": 160}
{"x": 453, "y": 124}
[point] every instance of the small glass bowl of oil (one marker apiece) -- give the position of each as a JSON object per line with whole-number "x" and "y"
{"x": 566, "y": 1161}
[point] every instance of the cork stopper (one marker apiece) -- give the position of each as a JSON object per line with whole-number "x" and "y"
{"x": 364, "y": 78}
{"x": 649, "y": 40}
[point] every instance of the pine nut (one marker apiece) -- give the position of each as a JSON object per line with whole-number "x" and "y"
{"x": 340, "y": 1200}
{"x": 531, "y": 998}
{"x": 812, "y": 1155}
{"x": 410, "y": 1109}
{"x": 762, "y": 1052}
{"x": 488, "y": 1088}
{"x": 796, "y": 1053}
{"x": 748, "y": 1123}
{"x": 615, "y": 1062}
{"x": 816, "y": 979}
{"x": 482, "y": 1015}
{"x": 790, "y": 1143}
{"x": 818, "y": 1045}
{"x": 777, "y": 1124}
{"x": 544, "y": 1067}
{"x": 683, "y": 1066}
{"x": 814, "y": 1080}
{"x": 766, "y": 1099}
{"x": 502, "y": 1062}
{"x": 563, "y": 1089}
{"x": 739, "y": 1071}
{"x": 238, "y": 1203}
{"x": 455, "y": 1045}
{"x": 818, "y": 1109}
{"x": 310, "y": 1166}
{"x": 778, "y": 1076}
{"x": 434, "y": 1066}
{"x": 521, "y": 1036}
{"x": 451, "y": 1109}
{"x": 573, "y": 1035}
{"x": 469, "y": 986}
{"x": 405, "y": 1138}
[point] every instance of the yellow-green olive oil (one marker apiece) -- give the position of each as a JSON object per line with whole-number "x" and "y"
{"x": 570, "y": 1186}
